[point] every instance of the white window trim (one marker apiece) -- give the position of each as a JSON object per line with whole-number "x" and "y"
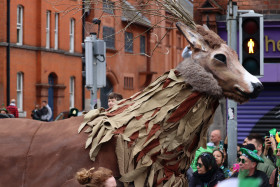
{"x": 72, "y": 92}
{"x": 56, "y": 31}
{"x": 72, "y": 35}
{"x": 48, "y": 18}
{"x": 20, "y": 91}
{"x": 19, "y": 24}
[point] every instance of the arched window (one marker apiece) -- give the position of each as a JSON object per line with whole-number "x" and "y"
{"x": 19, "y": 24}
{"x": 20, "y": 91}
{"x": 72, "y": 92}
{"x": 72, "y": 35}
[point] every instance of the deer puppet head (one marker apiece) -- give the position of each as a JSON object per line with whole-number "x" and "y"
{"x": 219, "y": 64}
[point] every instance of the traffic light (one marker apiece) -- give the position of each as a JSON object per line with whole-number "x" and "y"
{"x": 251, "y": 42}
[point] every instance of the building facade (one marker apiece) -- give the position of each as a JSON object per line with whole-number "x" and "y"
{"x": 137, "y": 53}
{"x": 40, "y": 55}
{"x": 261, "y": 114}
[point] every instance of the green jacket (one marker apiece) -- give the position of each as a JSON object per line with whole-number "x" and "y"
{"x": 266, "y": 167}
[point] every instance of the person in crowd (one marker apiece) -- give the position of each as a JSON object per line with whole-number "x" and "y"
{"x": 219, "y": 156}
{"x": 3, "y": 111}
{"x": 248, "y": 162}
{"x": 73, "y": 112}
{"x": 207, "y": 174}
{"x": 35, "y": 114}
{"x": 12, "y": 108}
{"x": 269, "y": 148}
{"x": 113, "y": 98}
{"x": 238, "y": 150}
{"x": 215, "y": 138}
{"x": 274, "y": 180}
{"x": 245, "y": 141}
{"x": 45, "y": 111}
{"x": 267, "y": 166}
{"x": 102, "y": 177}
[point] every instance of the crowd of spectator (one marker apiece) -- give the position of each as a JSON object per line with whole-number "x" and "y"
{"x": 258, "y": 162}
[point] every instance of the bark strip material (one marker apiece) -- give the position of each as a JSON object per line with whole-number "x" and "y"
{"x": 158, "y": 131}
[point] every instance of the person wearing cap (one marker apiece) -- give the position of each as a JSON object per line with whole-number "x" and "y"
{"x": 274, "y": 180}
{"x": 267, "y": 166}
{"x": 73, "y": 112}
{"x": 248, "y": 163}
{"x": 12, "y": 108}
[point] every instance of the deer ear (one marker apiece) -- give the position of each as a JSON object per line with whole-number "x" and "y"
{"x": 194, "y": 38}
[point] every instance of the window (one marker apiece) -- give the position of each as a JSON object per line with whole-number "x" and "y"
{"x": 56, "y": 31}
{"x": 142, "y": 44}
{"x": 179, "y": 41}
{"x": 19, "y": 24}
{"x": 108, "y": 6}
{"x": 48, "y": 18}
{"x": 72, "y": 32}
{"x": 72, "y": 92}
{"x": 167, "y": 36}
{"x": 20, "y": 91}
{"x": 128, "y": 42}
{"x": 128, "y": 83}
{"x": 109, "y": 37}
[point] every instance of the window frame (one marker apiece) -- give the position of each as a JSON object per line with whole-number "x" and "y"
{"x": 56, "y": 25}
{"x": 20, "y": 91}
{"x": 72, "y": 92}
{"x": 72, "y": 35}
{"x": 142, "y": 48}
{"x": 109, "y": 38}
{"x": 108, "y": 6}
{"x": 128, "y": 42}
{"x": 48, "y": 25}
{"x": 19, "y": 25}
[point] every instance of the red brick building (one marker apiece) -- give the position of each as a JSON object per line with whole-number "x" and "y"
{"x": 41, "y": 55}
{"x": 129, "y": 67}
{"x": 40, "y": 52}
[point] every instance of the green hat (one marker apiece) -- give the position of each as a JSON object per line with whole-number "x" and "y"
{"x": 278, "y": 146}
{"x": 252, "y": 155}
{"x": 73, "y": 112}
{"x": 4, "y": 109}
{"x": 272, "y": 131}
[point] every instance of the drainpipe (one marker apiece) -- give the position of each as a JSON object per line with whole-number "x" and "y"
{"x": 83, "y": 68}
{"x": 8, "y": 52}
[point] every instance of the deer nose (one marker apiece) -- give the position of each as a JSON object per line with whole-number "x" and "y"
{"x": 258, "y": 87}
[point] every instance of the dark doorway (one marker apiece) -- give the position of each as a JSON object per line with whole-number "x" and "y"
{"x": 104, "y": 92}
{"x": 51, "y": 80}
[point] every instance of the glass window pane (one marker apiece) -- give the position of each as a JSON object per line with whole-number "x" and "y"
{"x": 128, "y": 42}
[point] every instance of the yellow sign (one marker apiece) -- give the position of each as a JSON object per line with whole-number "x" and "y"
{"x": 251, "y": 45}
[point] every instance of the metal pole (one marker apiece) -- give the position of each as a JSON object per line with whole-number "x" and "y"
{"x": 93, "y": 91}
{"x": 232, "y": 105}
{"x": 8, "y": 54}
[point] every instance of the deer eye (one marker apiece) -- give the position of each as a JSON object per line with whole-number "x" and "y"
{"x": 221, "y": 57}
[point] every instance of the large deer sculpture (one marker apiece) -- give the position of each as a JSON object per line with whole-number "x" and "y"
{"x": 148, "y": 139}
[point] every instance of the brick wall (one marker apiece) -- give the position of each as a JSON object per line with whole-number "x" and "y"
{"x": 259, "y": 6}
{"x": 35, "y": 61}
